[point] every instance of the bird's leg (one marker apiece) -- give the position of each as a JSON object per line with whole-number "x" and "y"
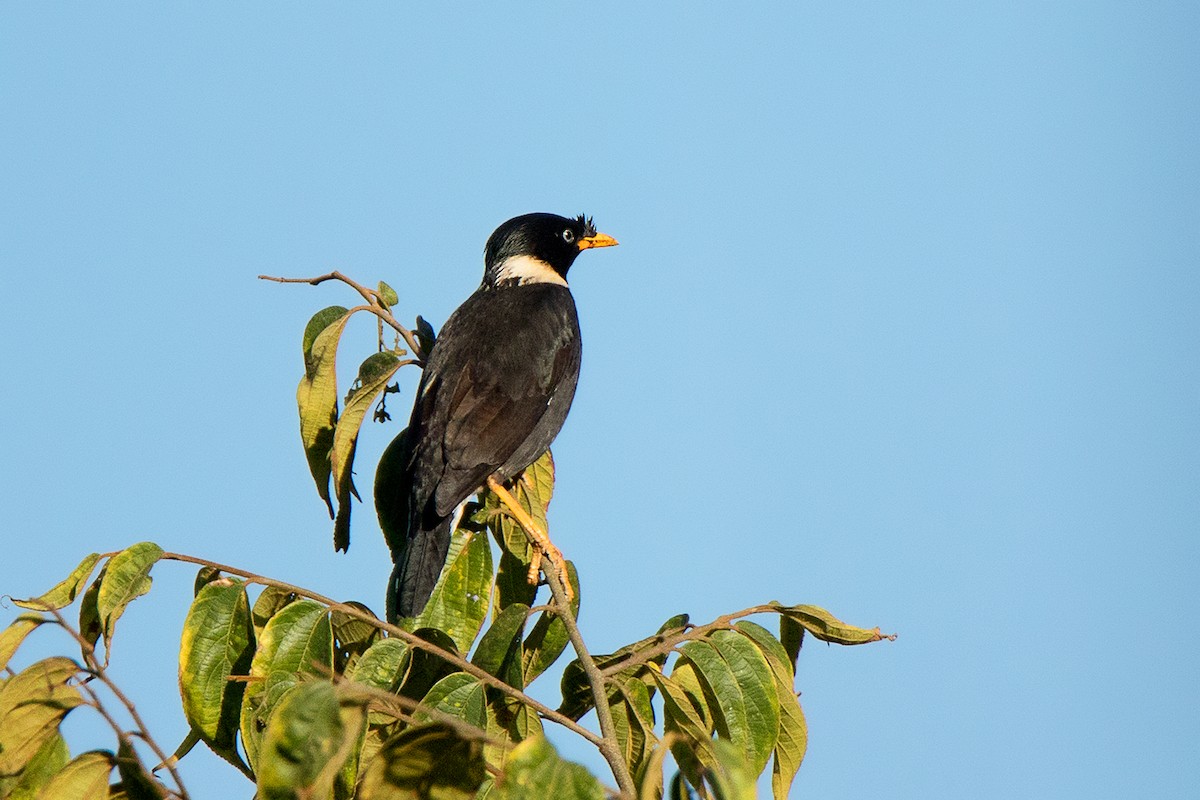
{"x": 539, "y": 538}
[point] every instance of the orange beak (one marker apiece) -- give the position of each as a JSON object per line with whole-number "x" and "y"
{"x": 599, "y": 240}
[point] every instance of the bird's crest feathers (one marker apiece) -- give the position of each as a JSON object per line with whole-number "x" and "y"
{"x": 589, "y": 227}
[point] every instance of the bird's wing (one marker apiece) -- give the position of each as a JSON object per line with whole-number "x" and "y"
{"x": 490, "y": 416}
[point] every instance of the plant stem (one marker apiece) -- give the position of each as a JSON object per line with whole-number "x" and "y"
{"x": 610, "y": 748}
{"x": 93, "y": 666}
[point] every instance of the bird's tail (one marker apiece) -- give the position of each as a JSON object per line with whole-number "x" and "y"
{"x": 418, "y": 565}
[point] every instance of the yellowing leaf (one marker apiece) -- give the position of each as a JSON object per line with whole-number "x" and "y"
{"x": 217, "y": 646}
{"x": 737, "y": 675}
{"x": 428, "y": 761}
{"x": 12, "y": 636}
{"x": 317, "y": 393}
{"x": 125, "y": 578}
{"x": 63, "y": 594}
{"x": 32, "y": 704}
{"x": 828, "y": 628}
{"x": 373, "y": 377}
{"x": 792, "y": 741}
{"x": 303, "y": 736}
{"x": 44, "y": 765}
{"x": 85, "y": 777}
{"x": 534, "y": 771}
{"x": 296, "y": 642}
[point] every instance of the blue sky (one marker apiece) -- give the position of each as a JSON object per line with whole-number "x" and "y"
{"x": 904, "y": 323}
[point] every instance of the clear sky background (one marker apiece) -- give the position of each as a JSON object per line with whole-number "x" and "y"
{"x": 905, "y": 322}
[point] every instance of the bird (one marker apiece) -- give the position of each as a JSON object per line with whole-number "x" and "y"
{"x": 494, "y": 393}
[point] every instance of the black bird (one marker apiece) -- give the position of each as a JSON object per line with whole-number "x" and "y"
{"x": 494, "y": 393}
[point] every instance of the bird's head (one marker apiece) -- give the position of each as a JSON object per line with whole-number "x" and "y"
{"x": 538, "y": 248}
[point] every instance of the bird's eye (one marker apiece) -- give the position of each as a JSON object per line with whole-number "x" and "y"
{"x": 568, "y": 236}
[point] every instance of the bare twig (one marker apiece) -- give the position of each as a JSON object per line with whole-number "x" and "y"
{"x": 408, "y": 638}
{"x": 95, "y": 668}
{"x": 122, "y": 734}
{"x": 375, "y": 303}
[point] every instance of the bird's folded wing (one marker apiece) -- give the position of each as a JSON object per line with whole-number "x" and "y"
{"x": 487, "y": 423}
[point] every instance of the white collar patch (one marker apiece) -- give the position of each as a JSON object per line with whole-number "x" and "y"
{"x": 528, "y": 269}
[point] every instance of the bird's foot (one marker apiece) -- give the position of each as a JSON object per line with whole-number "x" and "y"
{"x": 539, "y": 540}
{"x": 546, "y": 549}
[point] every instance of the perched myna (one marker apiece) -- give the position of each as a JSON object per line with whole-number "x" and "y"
{"x": 495, "y": 392}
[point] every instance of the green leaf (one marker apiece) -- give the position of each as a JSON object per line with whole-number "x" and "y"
{"x": 791, "y": 636}
{"x": 136, "y": 781}
{"x": 772, "y": 649}
{"x": 125, "y": 578}
{"x": 549, "y": 638}
{"x": 12, "y": 636}
{"x": 355, "y": 722}
{"x": 828, "y": 628}
{"x": 304, "y": 735}
{"x": 733, "y": 778}
{"x": 63, "y": 594}
{"x": 352, "y": 635}
{"x": 32, "y": 704}
{"x": 429, "y": 761}
{"x": 374, "y": 374}
{"x": 317, "y": 393}
{"x": 790, "y": 746}
{"x": 315, "y": 327}
{"x": 190, "y": 740}
{"x": 633, "y": 716}
{"x": 508, "y": 723}
{"x": 90, "y": 626}
{"x": 46, "y": 762}
{"x": 679, "y": 788}
{"x": 381, "y": 665}
{"x": 499, "y": 651}
{"x": 692, "y": 747}
{"x": 217, "y": 645}
{"x": 425, "y": 668}
{"x": 459, "y": 602}
{"x": 296, "y": 642}
{"x": 792, "y": 741}
{"x": 687, "y": 678}
{"x": 458, "y": 695}
{"x": 391, "y": 510}
{"x": 576, "y": 692}
{"x": 534, "y": 771}
{"x": 85, "y": 777}
{"x": 204, "y": 576}
{"x": 387, "y": 295}
{"x": 738, "y": 676}
{"x": 269, "y": 601}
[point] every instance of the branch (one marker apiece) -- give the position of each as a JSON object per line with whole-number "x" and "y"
{"x": 94, "y": 667}
{"x": 610, "y": 748}
{"x": 669, "y": 641}
{"x": 375, "y": 303}
{"x": 408, "y": 638}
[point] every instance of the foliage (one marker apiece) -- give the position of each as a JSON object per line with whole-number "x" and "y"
{"x": 311, "y": 698}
